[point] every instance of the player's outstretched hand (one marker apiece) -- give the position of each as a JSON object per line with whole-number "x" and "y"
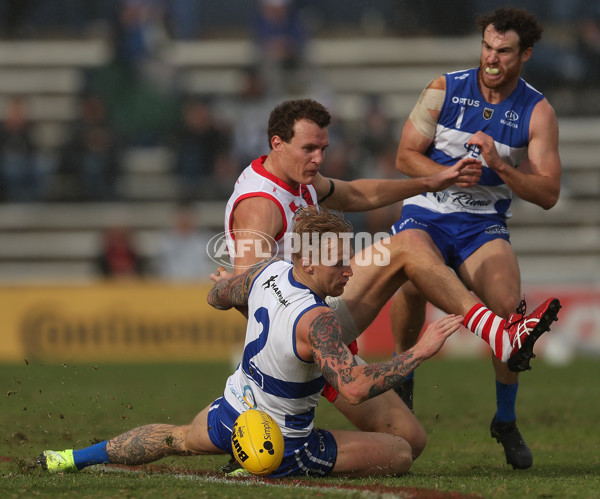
{"x": 437, "y": 333}
{"x": 469, "y": 172}
{"x": 465, "y": 173}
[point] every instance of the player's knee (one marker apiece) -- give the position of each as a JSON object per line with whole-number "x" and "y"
{"x": 417, "y": 440}
{"x": 416, "y": 437}
{"x": 404, "y": 458}
{"x": 409, "y": 429}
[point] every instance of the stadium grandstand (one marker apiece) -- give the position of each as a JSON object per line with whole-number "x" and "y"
{"x": 121, "y": 102}
{"x": 352, "y": 57}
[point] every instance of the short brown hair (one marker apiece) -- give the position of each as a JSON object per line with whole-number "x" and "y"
{"x": 522, "y": 22}
{"x": 285, "y": 115}
{"x": 317, "y": 222}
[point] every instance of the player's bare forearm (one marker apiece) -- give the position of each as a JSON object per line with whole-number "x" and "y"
{"x": 537, "y": 178}
{"x": 146, "y": 444}
{"x": 387, "y": 375}
{"x": 542, "y": 191}
{"x": 466, "y": 172}
{"x": 368, "y": 381}
{"x": 357, "y": 383}
{"x": 427, "y": 176}
{"x": 370, "y": 194}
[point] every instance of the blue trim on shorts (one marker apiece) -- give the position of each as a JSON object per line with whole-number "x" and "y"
{"x": 457, "y": 235}
{"x": 314, "y": 455}
{"x": 221, "y": 416}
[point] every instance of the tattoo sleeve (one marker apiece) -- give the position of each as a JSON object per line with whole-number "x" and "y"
{"x": 386, "y": 375}
{"x": 233, "y": 292}
{"x": 339, "y": 367}
{"x": 146, "y": 444}
{"x": 328, "y": 349}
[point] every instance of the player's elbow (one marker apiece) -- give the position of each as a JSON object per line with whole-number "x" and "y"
{"x": 547, "y": 206}
{"x": 550, "y": 201}
{"x": 401, "y": 161}
{"x": 213, "y": 302}
{"x": 353, "y": 393}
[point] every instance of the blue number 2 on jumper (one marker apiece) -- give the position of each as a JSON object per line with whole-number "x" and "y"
{"x": 262, "y": 317}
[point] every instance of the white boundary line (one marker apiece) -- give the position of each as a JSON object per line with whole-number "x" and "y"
{"x": 256, "y": 482}
{"x": 253, "y": 483}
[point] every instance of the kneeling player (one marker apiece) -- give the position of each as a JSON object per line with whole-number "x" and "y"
{"x": 293, "y": 345}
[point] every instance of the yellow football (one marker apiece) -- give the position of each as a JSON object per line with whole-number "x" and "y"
{"x": 257, "y": 442}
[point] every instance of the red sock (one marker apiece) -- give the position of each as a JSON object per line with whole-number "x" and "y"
{"x": 490, "y": 328}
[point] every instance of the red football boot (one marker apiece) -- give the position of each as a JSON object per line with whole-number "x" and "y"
{"x": 524, "y": 331}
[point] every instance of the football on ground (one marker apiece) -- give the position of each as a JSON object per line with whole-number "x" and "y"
{"x": 257, "y": 442}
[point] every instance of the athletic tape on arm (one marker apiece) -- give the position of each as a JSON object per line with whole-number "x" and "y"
{"x": 431, "y": 99}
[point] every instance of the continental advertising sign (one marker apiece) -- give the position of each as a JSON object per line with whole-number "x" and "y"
{"x": 150, "y": 322}
{"x": 120, "y": 322}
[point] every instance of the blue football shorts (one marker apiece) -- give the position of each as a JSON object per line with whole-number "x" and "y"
{"x": 457, "y": 235}
{"x": 314, "y": 455}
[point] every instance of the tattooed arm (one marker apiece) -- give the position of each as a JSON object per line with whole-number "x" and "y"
{"x": 319, "y": 333}
{"x": 232, "y": 290}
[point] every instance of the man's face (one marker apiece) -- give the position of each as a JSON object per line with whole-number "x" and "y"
{"x": 333, "y": 271}
{"x": 302, "y": 156}
{"x": 501, "y": 62}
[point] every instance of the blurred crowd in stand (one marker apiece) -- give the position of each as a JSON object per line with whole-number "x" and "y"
{"x": 136, "y": 100}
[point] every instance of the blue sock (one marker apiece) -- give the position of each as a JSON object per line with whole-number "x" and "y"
{"x": 506, "y": 398}
{"x": 95, "y": 454}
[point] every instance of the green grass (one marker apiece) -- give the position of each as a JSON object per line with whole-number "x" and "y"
{"x": 57, "y": 407}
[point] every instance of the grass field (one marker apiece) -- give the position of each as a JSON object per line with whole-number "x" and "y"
{"x": 57, "y": 407}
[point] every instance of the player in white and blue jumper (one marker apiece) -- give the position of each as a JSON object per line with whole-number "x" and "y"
{"x": 293, "y": 344}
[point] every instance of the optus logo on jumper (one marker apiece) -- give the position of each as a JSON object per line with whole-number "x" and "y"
{"x": 248, "y": 243}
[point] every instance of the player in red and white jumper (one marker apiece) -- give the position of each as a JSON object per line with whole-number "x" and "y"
{"x": 289, "y": 177}
{"x": 270, "y": 190}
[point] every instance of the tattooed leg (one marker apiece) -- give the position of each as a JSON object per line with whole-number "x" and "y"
{"x": 146, "y": 444}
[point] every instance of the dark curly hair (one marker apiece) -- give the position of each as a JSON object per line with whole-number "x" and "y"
{"x": 285, "y": 115}
{"x": 522, "y": 22}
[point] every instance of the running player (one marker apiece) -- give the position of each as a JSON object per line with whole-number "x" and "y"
{"x": 491, "y": 114}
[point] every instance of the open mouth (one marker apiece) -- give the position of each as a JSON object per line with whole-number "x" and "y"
{"x": 492, "y": 71}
